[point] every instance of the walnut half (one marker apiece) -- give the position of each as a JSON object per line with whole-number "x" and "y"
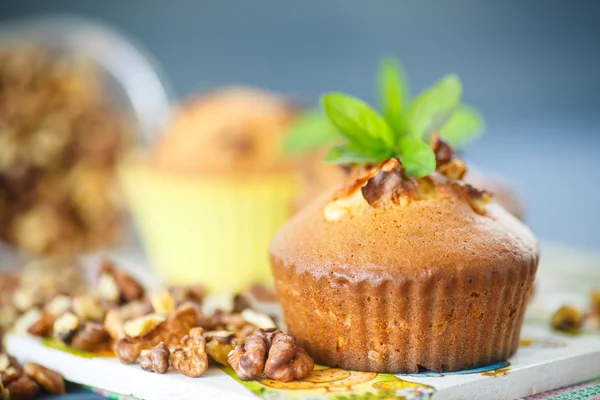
{"x": 286, "y": 361}
{"x": 191, "y": 358}
{"x": 49, "y": 380}
{"x": 273, "y": 353}
{"x": 170, "y": 331}
{"x": 156, "y": 359}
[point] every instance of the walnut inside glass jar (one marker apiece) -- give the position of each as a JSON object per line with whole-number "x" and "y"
{"x": 59, "y": 141}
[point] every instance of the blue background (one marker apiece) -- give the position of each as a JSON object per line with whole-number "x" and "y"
{"x": 530, "y": 66}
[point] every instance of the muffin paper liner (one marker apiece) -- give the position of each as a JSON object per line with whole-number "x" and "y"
{"x": 213, "y": 231}
{"x": 441, "y": 320}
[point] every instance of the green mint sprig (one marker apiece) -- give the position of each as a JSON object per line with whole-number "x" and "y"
{"x": 370, "y": 138}
{"x": 437, "y": 109}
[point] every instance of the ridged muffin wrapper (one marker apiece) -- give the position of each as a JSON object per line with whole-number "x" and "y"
{"x": 440, "y": 320}
{"x": 213, "y": 231}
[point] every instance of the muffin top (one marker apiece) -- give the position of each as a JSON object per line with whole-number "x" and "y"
{"x": 383, "y": 223}
{"x": 232, "y": 130}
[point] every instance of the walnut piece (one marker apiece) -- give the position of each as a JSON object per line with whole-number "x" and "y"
{"x": 89, "y": 337}
{"x": 65, "y": 327}
{"x": 58, "y": 305}
{"x": 142, "y": 325}
{"x": 191, "y": 358}
{"x": 10, "y": 370}
{"x": 88, "y": 308}
{"x": 156, "y": 360}
{"x": 219, "y": 344}
{"x": 170, "y": 331}
{"x": 193, "y": 293}
{"x": 43, "y": 326}
{"x": 286, "y": 361}
{"x": 163, "y": 303}
{"x": 52, "y": 382}
{"x": 273, "y": 353}
{"x": 113, "y": 324}
{"x": 129, "y": 288}
{"x": 567, "y": 319}
{"x": 248, "y": 359}
{"x": 260, "y": 320}
{"x": 23, "y": 388}
{"x": 4, "y": 395}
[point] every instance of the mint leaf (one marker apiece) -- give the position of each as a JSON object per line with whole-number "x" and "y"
{"x": 417, "y": 158}
{"x": 350, "y": 153}
{"x": 465, "y": 125}
{"x": 433, "y": 107}
{"x": 393, "y": 92}
{"x": 310, "y": 131}
{"x": 356, "y": 120}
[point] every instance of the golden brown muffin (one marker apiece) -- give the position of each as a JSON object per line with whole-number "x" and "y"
{"x": 233, "y": 130}
{"x": 397, "y": 274}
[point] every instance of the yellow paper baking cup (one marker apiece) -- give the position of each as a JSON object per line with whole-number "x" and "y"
{"x": 213, "y": 231}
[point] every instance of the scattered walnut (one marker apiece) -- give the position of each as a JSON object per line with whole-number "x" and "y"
{"x": 25, "y": 299}
{"x": 272, "y": 352}
{"x": 191, "y": 358}
{"x": 567, "y": 319}
{"x": 135, "y": 309}
{"x": 219, "y": 345}
{"x": 88, "y": 308}
{"x": 49, "y": 380}
{"x": 30, "y": 317}
{"x": 193, "y": 293}
{"x": 170, "y": 331}
{"x": 258, "y": 319}
{"x": 23, "y": 388}
{"x": 211, "y": 322}
{"x": 4, "y": 395}
{"x": 88, "y": 338}
{"x": 129, "y": 288}
{"x": 595, "y": 302}
{"x": 108, "y": 288}
{"x": 163, "y": 303}
{"x": 156, "y": 360}
{"x": 286, "y": 361}
{"x": 58, "y": 305}
{"x": 10, "y": 370}
{"x": 248, "y": 360}
{"x": 43, "y": 326}
{"x": 65, "y": 327}
{"x": 232, "y": 322}
{"x": 246, "y": 331}
{"x": 4, "y": 362}
{"x": 142, "y": 325}
{"x": 113, "y": 324}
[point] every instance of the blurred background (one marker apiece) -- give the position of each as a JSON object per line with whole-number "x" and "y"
{"x": 531, "y": 68}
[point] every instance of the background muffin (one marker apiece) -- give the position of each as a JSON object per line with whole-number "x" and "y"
{"x": 215, "y": 188}
{"x": 234, "y": 130}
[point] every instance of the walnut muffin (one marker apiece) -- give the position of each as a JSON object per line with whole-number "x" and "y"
{"x": 234, "y": 130}
{"x": 396, "y": 274}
